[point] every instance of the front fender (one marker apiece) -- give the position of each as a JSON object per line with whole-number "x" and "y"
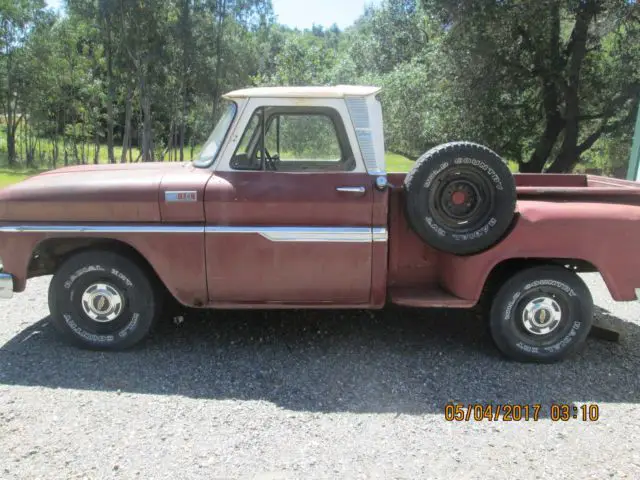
{"x": 176, "y": 253}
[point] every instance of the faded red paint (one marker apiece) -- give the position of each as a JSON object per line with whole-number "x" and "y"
{"x": 248, "y": 268}
{"x": 559, "y": 216}
{"x": 88, "y": 193}
{"x": 556, "y": 221}
{"x": 178, "y": 259}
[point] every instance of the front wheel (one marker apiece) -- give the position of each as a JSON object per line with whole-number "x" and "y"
{"x": 101, "y": 300}
{"x": 542, "y": 314}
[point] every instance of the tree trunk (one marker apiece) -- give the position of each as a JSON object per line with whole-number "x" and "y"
{"x": 569, "y": 154}
{"x": 84, "y": 142}
{"x": 554, "y": 122}
{"x": 187, "y": 49}
{"x": 126, "y": 137}
{"x": 182, "y": 139}
{"x": 11, "y": 145}
{"x": 55, "y": 153}
{"x": 169, "y": 149}
{"x": 9, "y": 110}
{"x": 111, "y": 99}
{"x": 221, "y": 17}
{"x": 96, "y": 147}
{"x": 147, "y": 127}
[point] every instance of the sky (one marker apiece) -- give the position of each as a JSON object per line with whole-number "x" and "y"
{"x": 304, "y": 13}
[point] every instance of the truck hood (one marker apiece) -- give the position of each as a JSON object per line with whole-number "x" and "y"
{"x": 88, "y": 193}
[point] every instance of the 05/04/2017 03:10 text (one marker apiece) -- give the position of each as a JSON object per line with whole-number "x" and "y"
{"x": 556, "y": 412}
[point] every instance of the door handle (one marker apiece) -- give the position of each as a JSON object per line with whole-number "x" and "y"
{"x": 351, "y": 189}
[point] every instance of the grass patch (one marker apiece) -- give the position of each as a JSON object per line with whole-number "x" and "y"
{"x": 398, "y": 163}
{"x": 9, "y": 176}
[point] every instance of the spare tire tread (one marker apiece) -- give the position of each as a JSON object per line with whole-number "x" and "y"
{"x": 413, "y": 180}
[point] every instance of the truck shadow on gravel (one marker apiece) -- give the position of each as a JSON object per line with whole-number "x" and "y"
{"x": 397, "y": 360}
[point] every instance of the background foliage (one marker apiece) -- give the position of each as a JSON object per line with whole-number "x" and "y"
{"x": 551, "y": 85}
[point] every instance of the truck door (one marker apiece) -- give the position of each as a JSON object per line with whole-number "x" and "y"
{"x": 289, "y": 209}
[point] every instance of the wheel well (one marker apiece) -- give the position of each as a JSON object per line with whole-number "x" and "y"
{"x": 507, "y": 268}
{"x": 52, "y": 252}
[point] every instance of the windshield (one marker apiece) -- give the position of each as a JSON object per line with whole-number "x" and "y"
{"x": 210, "y": 149}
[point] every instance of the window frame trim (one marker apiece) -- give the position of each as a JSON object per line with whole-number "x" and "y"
{"x": 337, "y": 105}
{"x": 270, "y": 114}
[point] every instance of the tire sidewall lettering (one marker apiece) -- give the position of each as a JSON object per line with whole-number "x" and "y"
{"x": 102, "y": 339}
{"x": 566, "y": 340}
{"x": 130, "y": 326}
{"x": 493, "y": 175}
{"x": 435, "y": 227}
{"x": 91, "y": 337}
{"x": 122, "y": 277}
{"x": 511, "y": 304}
{"x": 482, "y": 231}
{"x": 551, "y": 283}
{"x": 82, "y": 271}
{"x": 437, "y": 171}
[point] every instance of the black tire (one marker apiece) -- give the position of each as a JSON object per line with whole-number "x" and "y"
{"x": 461, "y": 197}
{"x": 523, "y": 327}
{"x": 112, "y": 288}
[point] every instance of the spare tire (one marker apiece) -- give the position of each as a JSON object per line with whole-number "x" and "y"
{"x": 460, "y": 197}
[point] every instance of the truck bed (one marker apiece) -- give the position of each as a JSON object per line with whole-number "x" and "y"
{"x": 420, "y": 276}
{"x": 577, "y": 187}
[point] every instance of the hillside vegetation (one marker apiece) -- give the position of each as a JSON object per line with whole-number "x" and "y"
{"x": 552, "y": 86}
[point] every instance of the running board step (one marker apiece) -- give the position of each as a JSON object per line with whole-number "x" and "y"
{"x": 427, "y": 297}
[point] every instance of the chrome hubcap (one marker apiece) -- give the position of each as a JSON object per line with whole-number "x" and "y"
{"x": 541, "y": 315}
{"x": 102, "y": 302}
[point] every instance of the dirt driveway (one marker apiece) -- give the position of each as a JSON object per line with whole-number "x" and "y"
{"x": 320, "y": 395}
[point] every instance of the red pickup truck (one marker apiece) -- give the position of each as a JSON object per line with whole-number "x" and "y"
{"x": 289, "y": 206}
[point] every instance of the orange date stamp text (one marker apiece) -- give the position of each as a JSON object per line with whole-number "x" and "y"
{"x": 556, "y": 412}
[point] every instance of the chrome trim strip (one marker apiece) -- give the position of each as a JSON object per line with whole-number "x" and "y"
{"x": 275, "y": 234}
{"x": 302, "y": 234}
{"x": 380, "y": 234}
{"x": 102, "y": 229}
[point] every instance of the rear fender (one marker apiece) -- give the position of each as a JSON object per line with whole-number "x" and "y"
{"x": 604, "y": 235}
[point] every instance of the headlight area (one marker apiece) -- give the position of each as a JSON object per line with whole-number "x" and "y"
{"x": 6, "y": 283}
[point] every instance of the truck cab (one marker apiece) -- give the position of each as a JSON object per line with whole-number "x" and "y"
{"x": 294, "y": 195}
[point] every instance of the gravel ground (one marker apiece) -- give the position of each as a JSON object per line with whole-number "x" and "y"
{"x": 328, "y": 395}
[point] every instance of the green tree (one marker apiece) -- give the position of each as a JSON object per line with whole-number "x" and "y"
{"x": 546, "y": 79}
{"x": 17, "y": 19}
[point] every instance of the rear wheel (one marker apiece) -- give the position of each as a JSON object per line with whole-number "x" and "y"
{"x": 542, "y": 314}
{"x": 461, "y": 197}
{"x": 103, "y": 301}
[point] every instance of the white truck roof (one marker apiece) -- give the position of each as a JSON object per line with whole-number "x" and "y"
{"x": 339, "y": 91}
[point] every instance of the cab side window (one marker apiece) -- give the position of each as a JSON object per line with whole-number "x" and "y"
{"x": 304, "y": 139}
